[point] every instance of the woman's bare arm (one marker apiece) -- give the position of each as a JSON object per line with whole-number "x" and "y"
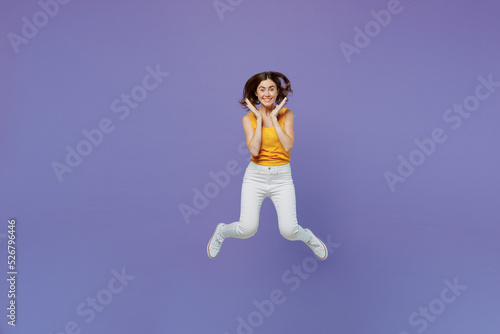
{"x": 287, "y": 136}
{"x": 253, "y": 138}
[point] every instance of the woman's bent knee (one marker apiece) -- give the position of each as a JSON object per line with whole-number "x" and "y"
{"x": 246, "y": 232}
{"x": 289, "y": 233}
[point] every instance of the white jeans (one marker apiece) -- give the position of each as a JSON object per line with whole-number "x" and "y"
{"x": 259, "y": 183}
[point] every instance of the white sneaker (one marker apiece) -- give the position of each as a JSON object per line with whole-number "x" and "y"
{"x": 215, "y": 242}
{"x": 317, "y": 246}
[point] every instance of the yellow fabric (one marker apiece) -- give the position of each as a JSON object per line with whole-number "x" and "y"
{"x": 271, "y": 151}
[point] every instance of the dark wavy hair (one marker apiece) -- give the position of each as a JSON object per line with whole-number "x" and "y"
{"x": 250, "y": 89}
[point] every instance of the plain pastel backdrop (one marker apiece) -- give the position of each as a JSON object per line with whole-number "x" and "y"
{"x": 111, "y": 231}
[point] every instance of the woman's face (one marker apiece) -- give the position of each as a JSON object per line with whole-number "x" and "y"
{"x": 267, "y": 93}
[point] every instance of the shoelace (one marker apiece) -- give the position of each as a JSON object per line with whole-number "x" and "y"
{"x": 217, "y": 242}
{"x": 313, "y": 243}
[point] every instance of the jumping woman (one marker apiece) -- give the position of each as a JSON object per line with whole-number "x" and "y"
{"x": 269, "y": 138}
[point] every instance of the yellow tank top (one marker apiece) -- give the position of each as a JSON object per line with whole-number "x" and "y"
{"x": 271, "y": 151}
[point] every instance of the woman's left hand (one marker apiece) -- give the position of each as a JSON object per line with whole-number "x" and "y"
{"x": 274, "y": 113}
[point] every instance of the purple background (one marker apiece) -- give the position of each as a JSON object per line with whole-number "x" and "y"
{"x": 120, "y": 207}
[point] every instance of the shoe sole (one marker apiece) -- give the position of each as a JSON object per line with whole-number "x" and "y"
{"x": 326, "y": 249}
{"x": 208, "y": 245}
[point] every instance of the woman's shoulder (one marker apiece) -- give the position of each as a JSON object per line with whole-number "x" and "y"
{"x": 286, "y": 113}
{"x": 248, "y": 116}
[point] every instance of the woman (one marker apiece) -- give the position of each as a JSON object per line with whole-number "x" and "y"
{"x": 269, "y": 138}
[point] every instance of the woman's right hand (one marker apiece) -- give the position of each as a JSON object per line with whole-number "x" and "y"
{"x": 252, "y": 108}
